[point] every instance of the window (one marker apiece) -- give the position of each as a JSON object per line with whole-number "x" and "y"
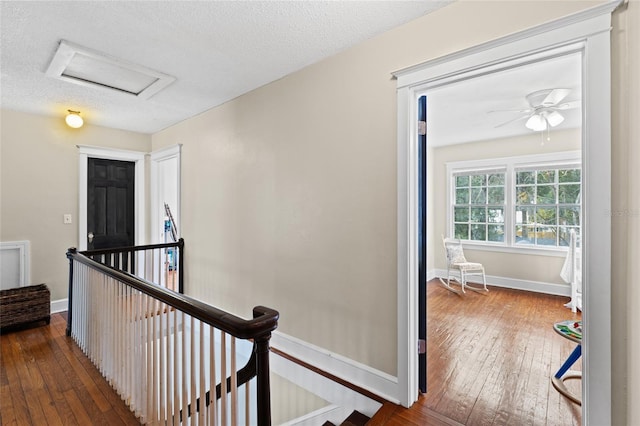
{"x": 478, "y": 213}
{"x": 530, "y": 201}
{"x": 547, "y": 206}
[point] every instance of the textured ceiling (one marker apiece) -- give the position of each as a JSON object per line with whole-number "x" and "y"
{"x": 217, "y": 50}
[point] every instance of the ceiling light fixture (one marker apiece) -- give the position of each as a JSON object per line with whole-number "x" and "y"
{"x": 73, "y": 119}
{"x": 536, "y": 123}
{"x": 543, "y": 120}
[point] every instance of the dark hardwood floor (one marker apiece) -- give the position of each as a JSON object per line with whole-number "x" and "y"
{"x": 490, "y": 359}
{"x": 45, "y": 379}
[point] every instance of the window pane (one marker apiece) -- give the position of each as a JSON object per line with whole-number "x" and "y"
{"x": 546, "y": 176}
{"x": 495, "y": 215}
{"x": 569, "y": 216}
{"x": 461, "y": 231}
{"x": 569, "y": 175}
{"x": 496, "y": 195}
{"x": 546, "y": 216}
{"x": 461, "y": 214}
{"x": 495, "y": 233}
{"x": 525, "y": 235}
{"x": 564, "y": 236}
{"x": 546, "y": 236}
{"x": 569, "y": 193}
{"x": 496, "y": 179}
{"x": 478, "y": 180}
{"x": 525, "y": 178}
{"x": 478, "y": 214}
{"x": 546, "y": 195}
{"x": 478, "y": 232}
{"x": 462, "y": 196}
{"x": 478, "y": 195}
{"x": 462, "y": 181}
{"x": 525, "y": 215}
{"x": 525, "y": 194}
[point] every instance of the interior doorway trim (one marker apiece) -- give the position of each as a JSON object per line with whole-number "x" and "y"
{"x": 157, "y": 220}
{"x": 589, "y": 33}
{"x": 86, "y": 152}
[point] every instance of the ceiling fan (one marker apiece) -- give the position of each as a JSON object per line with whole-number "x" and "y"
{"x": 544, "y": 111}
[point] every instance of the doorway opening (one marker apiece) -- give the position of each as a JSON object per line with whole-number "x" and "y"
{"x": 586, "y": 33}
{"x": 511, "y": 196}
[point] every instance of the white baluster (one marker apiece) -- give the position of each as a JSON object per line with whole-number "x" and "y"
{"x": 213, "y": 419}
{"x": 234, "y": 384}
{"x": 176, "y": 369}
{"x": 203, "y": 396}
{"x": 223, "y": 378}
{"x": 185, "y": 399}
{"x": 192, "y": 366}
{"x": 247, "y": 403}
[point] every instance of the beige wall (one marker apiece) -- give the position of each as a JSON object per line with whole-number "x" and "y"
{"x": 289, "y": 192}
{"x": 625, "y": 290}
{"x": 39, "y": 184}
{"x": 529, "y": 267}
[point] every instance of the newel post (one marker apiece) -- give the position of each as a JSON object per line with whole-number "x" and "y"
{"x": 181, "y": 265}
{"x": 72, "y": 251}
{"x": 263, "y": 385}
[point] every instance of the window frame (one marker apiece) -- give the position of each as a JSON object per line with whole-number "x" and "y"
{"x": 556, "y": 160}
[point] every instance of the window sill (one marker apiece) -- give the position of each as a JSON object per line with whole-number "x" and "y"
{"x": 523, "y": 250}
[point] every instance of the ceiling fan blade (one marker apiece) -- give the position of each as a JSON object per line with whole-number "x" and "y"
{"x": 555, "y": 97}
{"x": 522, "y": 117}
{"x": 568, "y": 105}
{"x": 521, "y": 111}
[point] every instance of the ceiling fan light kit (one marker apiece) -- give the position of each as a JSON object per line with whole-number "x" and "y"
{"x": 544, "y": 106}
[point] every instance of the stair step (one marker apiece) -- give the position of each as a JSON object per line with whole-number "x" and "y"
{"x": 383, "y": 414}
{"x": 355, "y": 419}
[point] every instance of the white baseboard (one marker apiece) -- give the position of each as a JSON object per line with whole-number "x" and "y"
{"x": 331, "y": 413}
{"x": 59, "y": 305}
{"x": 375, "y": 381}
{"x": 535, "y": 286}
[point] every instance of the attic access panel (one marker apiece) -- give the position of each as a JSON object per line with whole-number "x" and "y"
{"x": 80, "y": 65}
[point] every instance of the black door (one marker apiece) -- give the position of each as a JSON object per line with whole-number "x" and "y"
{"x": 422, "y": 243}
{"x": 110, "y": 203}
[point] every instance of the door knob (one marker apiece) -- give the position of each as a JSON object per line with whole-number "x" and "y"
{"x": 90, "y": 236}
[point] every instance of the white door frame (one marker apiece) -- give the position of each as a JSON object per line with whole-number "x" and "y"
{"x": 86, "y": 152}
{"x": 157, "y": 219}
{"x": 587, "y": 31}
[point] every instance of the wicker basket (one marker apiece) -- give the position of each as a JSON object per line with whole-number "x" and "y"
{"x": 23, "y": 305}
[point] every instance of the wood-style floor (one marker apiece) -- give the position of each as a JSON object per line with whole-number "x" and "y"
{"x": 490, "y": 359}
{"x": 45, "y": 379}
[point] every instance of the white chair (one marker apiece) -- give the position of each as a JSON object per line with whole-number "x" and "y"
{"x": 459, "y": 269}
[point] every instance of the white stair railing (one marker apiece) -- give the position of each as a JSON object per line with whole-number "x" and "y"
{"x": 172, "y": 359}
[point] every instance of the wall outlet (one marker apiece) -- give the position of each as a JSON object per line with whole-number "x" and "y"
{"x": 67, "y": 219}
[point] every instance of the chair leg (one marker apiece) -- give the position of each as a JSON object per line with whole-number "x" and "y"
{"x": 484, "y": 280}
{"x": 463, "y": 280}
{"x": 447, "y": 283}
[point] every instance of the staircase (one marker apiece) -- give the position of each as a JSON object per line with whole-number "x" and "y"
{"x": 355, "y": 419}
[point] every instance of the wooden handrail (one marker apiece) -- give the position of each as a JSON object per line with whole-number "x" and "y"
{"x": 263, "y": 324}
{"x": 129, "y": 250}
{"x": 179, "y": 243}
